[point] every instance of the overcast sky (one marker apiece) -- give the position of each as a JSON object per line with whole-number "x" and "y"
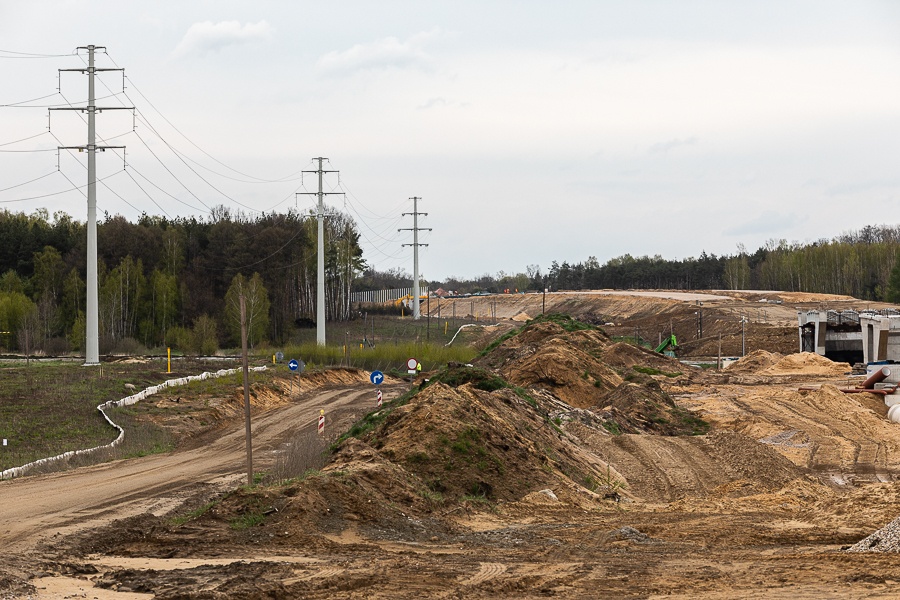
{"x": 532, "y": 131}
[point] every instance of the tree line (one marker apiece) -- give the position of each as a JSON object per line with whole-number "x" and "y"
{"x": 175, "y": 281}
{"x": 170, "y": 281}
{"x": 863, "y": 264}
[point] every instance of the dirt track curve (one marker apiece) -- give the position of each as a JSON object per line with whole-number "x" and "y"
{"x": 35, "y": 508}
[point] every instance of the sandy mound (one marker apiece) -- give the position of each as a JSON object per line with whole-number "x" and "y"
{"x": 806, "y": 363}
{"x": 754, "y": 362}
{"x": 570, "y": 374}
{"x": 521, "y": 317}
{"x": 544, "y": 355}
{"x": 646, "y": 408}
{"x": 468, "y": 442}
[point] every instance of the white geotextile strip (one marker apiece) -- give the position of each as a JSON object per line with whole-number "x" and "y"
{"x": 128, "y": 401}
{"x": 461, "y": 327}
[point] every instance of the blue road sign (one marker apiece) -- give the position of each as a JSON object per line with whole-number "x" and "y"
{"x": 293, "y": 365}
{"x": 376, "y": 377}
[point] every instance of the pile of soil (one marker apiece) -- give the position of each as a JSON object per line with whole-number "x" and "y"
{"x": 806, "y": 363}
{"x": 545, "y": 356}
{"x": 466, "y": 442}
{"x": 646, "y": 408}
{"x": 754, "y": 362}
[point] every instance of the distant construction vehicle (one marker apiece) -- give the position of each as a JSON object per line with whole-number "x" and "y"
{"x": 406, "y": 300}
{"x": 668, "y": 346}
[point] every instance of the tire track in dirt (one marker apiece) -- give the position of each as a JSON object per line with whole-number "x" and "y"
{"x": 663, "y": 469}
{"x": 841, "y": 436}
{"x": 486, "y": 572}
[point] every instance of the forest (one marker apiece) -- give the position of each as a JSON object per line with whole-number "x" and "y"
{"x": 169, "y": 282}
{"x": 173, "y": 282}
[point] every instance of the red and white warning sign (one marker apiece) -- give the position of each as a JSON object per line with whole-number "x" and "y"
{"x": 411, "y": 366}
{"x": 321, "y": 422}
{"x": 378, "y": 398}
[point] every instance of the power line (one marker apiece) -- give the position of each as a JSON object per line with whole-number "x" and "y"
{"x": 67, "y": 103}
{"x": 27, "y": 151}
{"x": 31, "y": 55}
{"x": 72, "y": 189}
{"x": 31, "y": 137}
{"x": 17, "y": 104}
{"x": 173, "y": 197}
{"x": 171, "y": 173}
{"x": 27, "y": 182}
{"x": 203, "y": 179}
{"x": 143, "y": 190}
{"x": 287, "y": 178}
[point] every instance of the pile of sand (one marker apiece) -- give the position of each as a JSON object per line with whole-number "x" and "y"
{"x": 755, "y": 361}
{"x": 462, "y": 442}
{"x": 806, "y": 363}
{"x": 570, "y": 374}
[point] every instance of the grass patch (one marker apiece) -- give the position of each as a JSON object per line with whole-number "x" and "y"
{"x": 466, "y": 441}
{"x": 565, "y": 321}
{"x": 194, "y": 514}
{"x": 248, "y": 520}
{"x": 383, "y": 357}
{"x": 479, "y": 378}
{"x": 372, "y": 420}
{"x": 652, "y": 371}
{"x": 693, "y": 423}
{"x": 612, "y": 427}
{"x": 50, "y": 407}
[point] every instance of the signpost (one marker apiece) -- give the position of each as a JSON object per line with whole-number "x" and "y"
{"x": 321, "y": 422}
{"x": 412, "y": 366}
{"x": 296, "y": 366}
{"x": 377, "y": 400}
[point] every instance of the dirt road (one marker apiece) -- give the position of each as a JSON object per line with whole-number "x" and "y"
{"x": 36, "y": 508}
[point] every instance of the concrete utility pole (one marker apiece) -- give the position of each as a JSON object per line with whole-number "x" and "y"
{"x": 92, "y": 319}
{"x": 320, "y": 277}
{"x": 248, "y": 440}
{"x": 415, "y": 229}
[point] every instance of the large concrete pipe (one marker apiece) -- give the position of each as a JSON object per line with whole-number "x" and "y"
{"x": 894, "y": 414}
{"x": 876, "y": 377}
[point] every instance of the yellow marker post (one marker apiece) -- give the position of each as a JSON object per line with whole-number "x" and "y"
{"x": 169, "y": 353}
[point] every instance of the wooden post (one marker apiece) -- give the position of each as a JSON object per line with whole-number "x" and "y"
{"x": 719, "y": 360}
{"x": 246, "y": 370}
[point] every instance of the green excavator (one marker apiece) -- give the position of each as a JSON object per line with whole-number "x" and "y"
{"x": 668, "y": 346}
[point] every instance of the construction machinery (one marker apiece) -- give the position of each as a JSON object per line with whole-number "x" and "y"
{"x": 668, "y": 346}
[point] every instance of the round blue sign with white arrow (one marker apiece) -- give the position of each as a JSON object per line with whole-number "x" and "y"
{"x": 293, "y": 365}
{"x": 376, "y": 377}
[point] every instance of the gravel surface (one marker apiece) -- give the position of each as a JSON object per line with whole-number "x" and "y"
{"x": 886, "y": 539}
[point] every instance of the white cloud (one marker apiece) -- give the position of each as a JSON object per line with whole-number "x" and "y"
{"x": 203, "y": 38}
{"x": 386, "y": 53}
